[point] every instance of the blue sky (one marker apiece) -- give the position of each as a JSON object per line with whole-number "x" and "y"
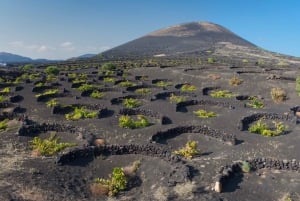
{"x": 59, "y": 29}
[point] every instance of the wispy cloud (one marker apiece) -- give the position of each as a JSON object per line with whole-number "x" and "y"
{"x": 67, "y": 46}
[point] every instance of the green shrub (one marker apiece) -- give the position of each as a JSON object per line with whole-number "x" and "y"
{"x": 97, "y": 94}
{"x": 87, "y": 87}
{"x": 131, "y": 103}
{"x": 177, "y": 99}
{"x": 211, "y": 60}
{"x": 48, "y": 147}
{"x": 246, "y": 167}
{"x": 81, "y": 113}
{"x": 262, "y": 128}
{"x": 144, "y": 91}
{"x": 109, "y": 79}
{"x": 48, "y": 92}
{"x": 109, "y": 66}
{"x": 188, "y": 88}
{"x": 34, "y": 76}
{"x": 222, "y": 94}
{"x": 52, "y": 103}
{"x": 255, "y": 103}
{"x": 204, "y": 114}
{"x": 163, "y": 84}
{"x": 278, "y": 95}
{"x": 116, "y": 183}
{"x": 189, "y": 151}
{"x": 3, "y": 98}
{"x": 5, "y": 90}
{"x": 27, "y": 67}
{"x": 52, "y": 70}
{"x": 127, "y": 84}
{"x": 298, "y": 85}
{"x": 126, "y": 121}
{"x": 3, "y": 124}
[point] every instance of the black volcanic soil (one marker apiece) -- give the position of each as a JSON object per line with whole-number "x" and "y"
{"x": 223, "y": 140}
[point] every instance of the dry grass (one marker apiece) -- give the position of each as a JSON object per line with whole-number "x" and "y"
{"x": 99, "y": 189}
{"x": 32, "y": 194}
{"x": 185, "y": 190}
{"x": 278, "y": 95}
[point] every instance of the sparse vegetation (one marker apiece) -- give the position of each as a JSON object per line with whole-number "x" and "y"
{"x": 262, "y": 128}
{"x": 87, "y": 87}
{"x": 246, "y": 167}
{"x": 52, "y": 70}
{"x": 144, "y": 91}
{"x": 255, "y": 103}
{"x": 188, "y": 88}
{"x": 298, "y": 85}
{"x": 222, "y": 94}
{"x": 278, "y": 95}
{"x": 48, "y": 147}
{"x": 163, "y": 84}
{"x": 189, "y": 151}
{"x": 127, "y": 83}
{"x": 204, "y": 114}
{"x": 211, "y": 60}
{"x": 131, "y": 103}
{"x": 3, "y": 124}
{"x": 235, "y": 81}
{"x": 97, "y": 94}
{"x": 81, "y": 113}
{"x": 52, "y": 103}
{"x": 116, "y": 183}
{"x": 48, "y": 92}
{"x": 109, "y": 66}
{"x": 109, "y": 79}
{"x": 2, "y": 98}
{"x": 125, "y": 121}
{"x": 177, "y": 99}
{"x": 5, "y": 90}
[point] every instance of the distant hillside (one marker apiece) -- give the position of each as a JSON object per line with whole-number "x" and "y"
{"x": 13, "y": 58}
{"x": 192, "y": 40}
{"x": 84, "y": 56}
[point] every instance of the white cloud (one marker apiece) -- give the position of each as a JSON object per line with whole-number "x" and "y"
{"x": 66, "y": 44}
{"x": 17, "y": 43}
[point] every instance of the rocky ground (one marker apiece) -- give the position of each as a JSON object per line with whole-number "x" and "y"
{"x": 224, "y": 141}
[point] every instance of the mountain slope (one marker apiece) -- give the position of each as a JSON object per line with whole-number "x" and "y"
{"x": 13, "y": 58}
{"x": 192, "y": 40}
{"x": 179, "y": 39}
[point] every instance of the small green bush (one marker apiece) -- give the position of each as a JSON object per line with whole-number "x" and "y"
{"x": 50, "y": 146}
{"x": 126, "y": 121}
{"x": 127, "y": 84}
{"x": 3, "y": 124}
{"x": 222, "y": 94}
{"x": 116, "y": 183}
{"x": 81, "y": 113}
{"x": 87, "y": 87}
{"x": 255, "y": 103}
{"x": 5, "y": 90}
{"x": 188, "y": 88}
{"x": 144, "y": 91}
{"x": 211, "y": 60}
{"x": 189, "y": 151}
{"x": 246, "y": 167}
{"x": 131, "y": 103}
{"x": 109, "y": 79}
{"x": 177, "y": 99}
{"x": 109, "y": 66}
{"x": 3, "y": 98}
{"x": 204, "y": 114}
{"x": 52, "y": 70}
{"x": 48, "y": 92}
{"x": 262, "y": 128}
{"x": 298, "y": 85}
{"x": 97, "y": 94}
{"x": 163, "y": 84}
{"x": 52, "y": 103}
